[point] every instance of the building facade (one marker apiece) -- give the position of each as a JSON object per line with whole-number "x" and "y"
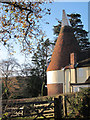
{"x": 67, "y": 66}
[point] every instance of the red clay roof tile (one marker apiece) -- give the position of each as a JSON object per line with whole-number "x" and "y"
{"x": 65, "y": 45}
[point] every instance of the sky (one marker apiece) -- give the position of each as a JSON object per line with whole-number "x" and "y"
{"x": 69, "y": 7}
{"x": 56, "y": 12}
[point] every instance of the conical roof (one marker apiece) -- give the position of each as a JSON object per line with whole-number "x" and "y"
{"x": 65, "y": 21}
{"x": 65, "y": 45}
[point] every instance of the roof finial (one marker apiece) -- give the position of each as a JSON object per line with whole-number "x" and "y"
{"x": 65, "y": 21}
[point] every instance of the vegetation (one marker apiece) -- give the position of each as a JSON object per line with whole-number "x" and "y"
{"x": 40, "y": 60}
{"x": 20, "y": 23}
{"x": 80, "y": 104}
{"x": 21, "y": 87}
{"x": 80, "y": 34}
{"x": 20, "y": 81}
{"x": 77, "y": 105}
{"x": 9, "y": 68}
{"x": 17, "y": 81}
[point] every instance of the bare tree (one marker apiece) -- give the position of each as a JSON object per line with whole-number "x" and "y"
{"x": 8, "y": 68}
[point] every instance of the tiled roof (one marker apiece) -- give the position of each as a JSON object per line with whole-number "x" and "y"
{"x": 66, "y": 44}
{"x": 84, "y": 54}
{"x": 84, "y": 63}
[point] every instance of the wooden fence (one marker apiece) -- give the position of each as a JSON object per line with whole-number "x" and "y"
{"x": 56, "y": 107}
{"x": 35, "y": 110}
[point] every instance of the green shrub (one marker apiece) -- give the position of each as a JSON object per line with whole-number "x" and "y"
{"x": 80, "y": 104}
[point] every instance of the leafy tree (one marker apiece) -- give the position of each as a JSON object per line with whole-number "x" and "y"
{"x": 80, "y": 34}
{"x": 33, "y": 86}
{"x": 40, "y": 59}
{"x": 20, "y": 22}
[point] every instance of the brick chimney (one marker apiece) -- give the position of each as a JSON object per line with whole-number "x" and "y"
{"x": 73, "y": 59}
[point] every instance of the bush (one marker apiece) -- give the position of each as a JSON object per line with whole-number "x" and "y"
{"x": 80, "y": 104}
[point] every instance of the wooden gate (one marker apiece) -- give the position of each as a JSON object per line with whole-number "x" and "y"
{"x": 35, "y": 110}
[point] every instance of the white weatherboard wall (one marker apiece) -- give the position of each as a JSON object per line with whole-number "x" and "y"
{"x": 55, "y": 77}
{"x": 67, "y": 80}
{"x": 76, "y": 88}
{"x": 89, "y": 71}
{"x": 83, "y": 74}
{"x": 73, "y": 76}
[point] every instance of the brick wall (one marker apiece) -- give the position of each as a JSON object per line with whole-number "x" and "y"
{"x": 54, "y": 89}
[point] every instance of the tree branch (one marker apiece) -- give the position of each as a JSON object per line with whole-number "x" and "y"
{"x": 26, "y": 34}
{"x": 16, "y": 5}
{"x": 4, "y": 31}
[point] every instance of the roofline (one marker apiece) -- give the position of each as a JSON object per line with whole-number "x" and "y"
{"x": 79, "y": 83}
{"x": 88, "y": 59}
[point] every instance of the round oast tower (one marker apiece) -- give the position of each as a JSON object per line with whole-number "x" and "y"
{"x": 65, "y": 45}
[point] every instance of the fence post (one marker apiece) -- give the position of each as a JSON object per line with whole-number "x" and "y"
{"x": 64, "y": 105}
{"x": 57, "y": 108}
